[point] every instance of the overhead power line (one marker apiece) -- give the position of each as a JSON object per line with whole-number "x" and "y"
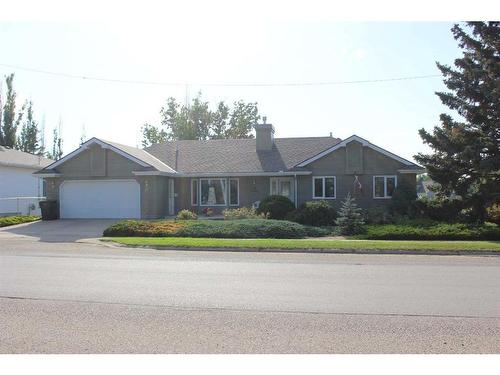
{"x": 215, "y": 84}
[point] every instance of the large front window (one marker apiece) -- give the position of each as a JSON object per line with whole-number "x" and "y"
{"x": 234, "y": 194}
{"x": 384, "y": 186}
{"x": 213, "y": 192}
{"x": 324, "y": 187}
{"x": 194, "y": 192}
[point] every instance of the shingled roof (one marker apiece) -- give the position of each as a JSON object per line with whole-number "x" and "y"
{"x": 238, "y": 155}
{"x": 16, "y": 158}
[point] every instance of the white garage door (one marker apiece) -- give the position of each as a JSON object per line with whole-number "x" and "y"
{"x": 100, "y": 199}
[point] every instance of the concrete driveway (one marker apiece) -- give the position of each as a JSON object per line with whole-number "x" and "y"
{"x": 56, "y": 230}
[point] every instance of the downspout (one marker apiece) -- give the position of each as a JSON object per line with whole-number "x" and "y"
{"x": 295, "y": 189}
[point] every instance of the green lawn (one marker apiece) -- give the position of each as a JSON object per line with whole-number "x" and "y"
{"x": 306, "y": 243}
{"x": 13, "y": 220}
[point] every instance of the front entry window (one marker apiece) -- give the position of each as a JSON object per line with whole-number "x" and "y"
{"x": 282, "y": 186}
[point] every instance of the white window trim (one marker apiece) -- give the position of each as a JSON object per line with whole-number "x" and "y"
{"x": 278, "y": 179}
{"x": 225, "y": 193}
{"x": 385, "y": 185}
{"x": 238, "y": 191}
{"x": 197, "y": 191}
{"x": 323, "y": 193}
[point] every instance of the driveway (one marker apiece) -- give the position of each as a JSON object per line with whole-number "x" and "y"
{"x": 55, "y": 230}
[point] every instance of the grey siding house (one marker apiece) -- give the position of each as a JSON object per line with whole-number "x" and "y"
{"x": 103, "y": 179}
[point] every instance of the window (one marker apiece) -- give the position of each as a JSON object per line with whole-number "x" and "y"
{"x": 194, "y": 192}
{"x": 282, "y": 186}
{"x": 384, "y": 186}
{"x": 324, "y": 187}
{"x": 234, "y": 191}
{"x": 213, "y": 192}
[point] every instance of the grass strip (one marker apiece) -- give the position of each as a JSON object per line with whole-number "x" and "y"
{"x": 306, "y": 243}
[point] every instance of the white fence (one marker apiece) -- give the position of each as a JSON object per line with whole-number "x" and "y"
{"x": 20, "y": 206}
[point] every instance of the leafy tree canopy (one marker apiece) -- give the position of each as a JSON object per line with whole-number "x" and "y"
{"x": 199, "y": 121}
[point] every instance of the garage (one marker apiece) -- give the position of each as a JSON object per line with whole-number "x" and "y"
{"x": 100, "y": 199}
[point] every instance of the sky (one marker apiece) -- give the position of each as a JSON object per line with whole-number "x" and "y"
{"x": 170, "y": 49}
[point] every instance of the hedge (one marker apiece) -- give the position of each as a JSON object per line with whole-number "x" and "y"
{"x": 13, "y": 220}
{"x": 245, "y": 228}
{"x": 431, "y": 231}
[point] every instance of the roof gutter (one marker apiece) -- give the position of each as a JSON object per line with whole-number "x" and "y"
{"x": 221, "y": 174}
{"x": 19, "y": 165}
{"x": 46, "y": 175}
{"x": 409, "y": 171}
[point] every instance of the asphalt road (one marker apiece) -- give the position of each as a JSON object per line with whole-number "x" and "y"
{"x": 60, "y": 297}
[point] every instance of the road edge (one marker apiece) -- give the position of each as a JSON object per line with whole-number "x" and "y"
{"x": 309, "y": 251}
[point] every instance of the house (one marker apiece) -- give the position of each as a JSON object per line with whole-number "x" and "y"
{"x": 19, "y": 188}
{"x": 103, "y": 179}
{"x": 424, "y": 189}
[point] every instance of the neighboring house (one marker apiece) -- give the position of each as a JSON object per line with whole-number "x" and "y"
{"x": 424, "y": 189}
{"x": 104, "y": 179}
{"x": 18, "y": 186}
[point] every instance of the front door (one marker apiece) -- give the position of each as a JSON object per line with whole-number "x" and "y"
{"x": 283, "y": 186}
{"x": 171, "y": 197}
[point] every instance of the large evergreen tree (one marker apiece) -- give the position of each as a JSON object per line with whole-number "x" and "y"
{"x": 198, "y": 121}
{"x": 466, "y": 155}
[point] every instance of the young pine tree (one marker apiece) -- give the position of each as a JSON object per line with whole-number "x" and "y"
{"x": 350, "y": 217}
{"x": 466, "y": 152}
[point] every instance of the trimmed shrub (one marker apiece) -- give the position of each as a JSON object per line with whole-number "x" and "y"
{"x": 350, "y": 219}
{"x": 140, "y": 228}
{"x": 244, "y": 228}
{"x": 276, "y": 207}
{"x": 13, "y": 220}
{"x": 446, "y": 209}
{"x": 315, "y": 213}
{"x": 242, "y": 213}
{"x": 431, "y": 230}
{"x": 186, "y": 215}
{"x": 378, "y": 215}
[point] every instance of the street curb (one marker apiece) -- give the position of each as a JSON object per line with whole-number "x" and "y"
{"x": 315, "y": 251}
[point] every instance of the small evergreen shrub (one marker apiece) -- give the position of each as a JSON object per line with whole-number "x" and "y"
{"x": 314, "y": 213}
{"x": 350, "y": 220}
{"x": 276, "y": 207}
{"x": 186, "y": 215}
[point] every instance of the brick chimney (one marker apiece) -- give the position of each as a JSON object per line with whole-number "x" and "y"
{"x": 264, "y": 136}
